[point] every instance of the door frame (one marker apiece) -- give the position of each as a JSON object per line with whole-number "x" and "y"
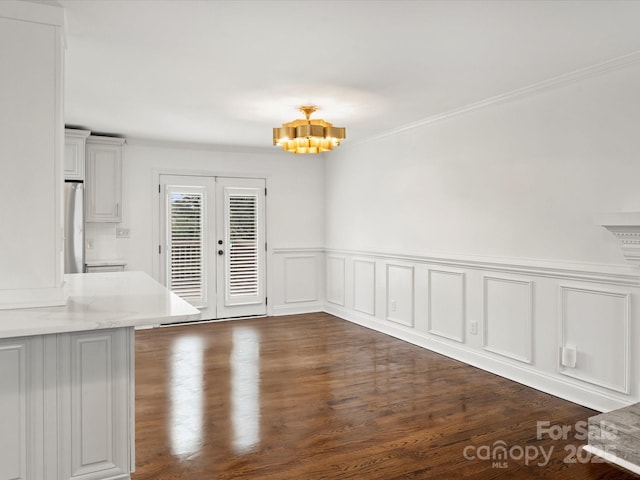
{"x": 156, "y": 224}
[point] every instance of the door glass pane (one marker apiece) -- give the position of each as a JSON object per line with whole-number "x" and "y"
{"x": 186, "y": 244}
{"x": 243, "y": 245}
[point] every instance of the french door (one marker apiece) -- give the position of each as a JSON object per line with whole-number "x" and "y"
{"x": 213, "y": 243}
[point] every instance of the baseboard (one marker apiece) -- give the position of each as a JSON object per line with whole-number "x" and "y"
{"x": 558, "y": 386}
{"x": 295, "y": 309}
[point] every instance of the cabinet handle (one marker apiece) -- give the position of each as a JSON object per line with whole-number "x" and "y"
{"x": 117, "y": 209}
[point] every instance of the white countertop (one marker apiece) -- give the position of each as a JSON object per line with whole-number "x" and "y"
{"x": 101, "y": 300}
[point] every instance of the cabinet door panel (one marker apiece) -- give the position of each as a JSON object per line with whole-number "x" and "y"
{"x": 103, "y": 182}
{"x": 13, "y": 411}
{"x": 21, "y": 404}
{"x": 94, "y": 417}
{"x": 74, "y": 149}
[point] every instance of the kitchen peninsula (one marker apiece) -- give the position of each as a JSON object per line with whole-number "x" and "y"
{"x": 67, "y": 377}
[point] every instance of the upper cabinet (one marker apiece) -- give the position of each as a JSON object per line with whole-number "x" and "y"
{"x": 74, "y": 147}
{"x": 103, "y": 179}
{"x": 31, "y": 152}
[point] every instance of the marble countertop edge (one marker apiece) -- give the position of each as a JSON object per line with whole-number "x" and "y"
{"x": 100, "y": 301}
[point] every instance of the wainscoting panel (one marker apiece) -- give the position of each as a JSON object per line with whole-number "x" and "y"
{"x": 300, "y": 281}
{"x": 446, "y": 308}
{"x": 508, "y": 318}
{"x": 595, "y": 332}
{"x": 335, "y": 280}
{"x": 364, "y": 286}
{"x": 400, "y": 294}
{"x": 295, "y": 281}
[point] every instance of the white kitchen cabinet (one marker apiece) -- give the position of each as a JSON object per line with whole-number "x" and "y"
{"x": 66, "y": 406}
{"x": 21, "y": 454}
{"x": 95, "y": 388}
{"x": 31, "y": 149}
{"x": 103, "y": 187}
{"x": 74, "y": 149}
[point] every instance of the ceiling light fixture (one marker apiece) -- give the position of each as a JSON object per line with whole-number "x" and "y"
{"x": 308, "y": 136}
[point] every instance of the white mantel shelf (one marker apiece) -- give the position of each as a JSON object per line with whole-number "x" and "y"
{"x": 626, "y": 227}
{"x": 98, "y": 301}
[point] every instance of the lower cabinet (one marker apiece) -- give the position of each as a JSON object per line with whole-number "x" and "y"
{"x": 21, "y": 406}
{"x": 66, "y": 406}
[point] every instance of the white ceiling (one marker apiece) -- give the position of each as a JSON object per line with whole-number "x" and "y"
{"x": 226, "y": 72}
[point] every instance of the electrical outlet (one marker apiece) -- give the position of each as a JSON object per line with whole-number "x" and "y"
{"x": 474, "y": 328}
{"x": 569, "y": 356}
{"x": 392, "y": 305}
{"x": 89, "y": 243}
{"x": 122, "y": 232}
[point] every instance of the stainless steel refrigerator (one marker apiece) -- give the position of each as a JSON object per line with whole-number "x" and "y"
{"x": 73, "y": 227}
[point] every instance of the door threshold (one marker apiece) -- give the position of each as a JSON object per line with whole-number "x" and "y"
{"x": 212, "y": 320}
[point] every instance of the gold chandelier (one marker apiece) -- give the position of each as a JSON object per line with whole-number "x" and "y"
{"x": 308, "y": 136}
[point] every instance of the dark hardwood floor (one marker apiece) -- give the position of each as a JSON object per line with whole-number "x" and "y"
{"x": 309, "y": 397}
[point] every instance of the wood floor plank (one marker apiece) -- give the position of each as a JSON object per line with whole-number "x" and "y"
{"x": 314, "y": 397}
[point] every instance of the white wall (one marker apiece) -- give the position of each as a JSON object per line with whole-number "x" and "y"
{"x": 475, "y": 236}
{"x": 517, "y": 179}
{"x": 295, "y": 200}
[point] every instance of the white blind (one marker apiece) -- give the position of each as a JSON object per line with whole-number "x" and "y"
{"x": 186, "y": 245}
{"x": 243, "y": 242}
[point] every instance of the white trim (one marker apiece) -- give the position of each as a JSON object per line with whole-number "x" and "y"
{"x": 528, "y": 358}
{"x": 463, "y": 322}
{"x": 286, "y": 296}
{"x": 573, "y": 391}
{"x": 596, "y": 273}
{"x": 626, "y": 387}
{"x": 337, "y": 301}
{"x": 611, "y": 458}
{"x": 369, "y": 262}
{"x": 519, "y": 93}
{"x": 153, "y": 142}
{"x": 294, "y": 249}
{"x": 388, "y": 312}
{"x": 296, "y": 309}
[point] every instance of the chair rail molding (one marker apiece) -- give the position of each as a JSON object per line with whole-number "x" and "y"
{"x": 626, "y": 228}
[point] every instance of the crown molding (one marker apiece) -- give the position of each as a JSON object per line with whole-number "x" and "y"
{"x": 153, "y": 142}
{"x": 591, "y": 71}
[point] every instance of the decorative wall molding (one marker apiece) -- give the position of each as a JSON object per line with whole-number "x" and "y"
{"x": 517, "y": 94}
{"x": 335, "y": 280}
{"x": 296, "y": 280}
{"x": 294, "y": 291}
{"x": 364, "y": 291}
{"x": 602, "y": 364}
{"x": 567, "y": 388}
{"x": 592, "y": 273}
{"x": 446, "y": 311}
{"x": 400, "y": 301}
{"x": 626, "y": 228}
{"x": 494, "y": 293}
{"x": 508, "y": 318}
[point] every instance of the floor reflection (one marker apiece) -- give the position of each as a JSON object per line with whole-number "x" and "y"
{"x": 245, "y": 389}
{"x": 186, "y": 396}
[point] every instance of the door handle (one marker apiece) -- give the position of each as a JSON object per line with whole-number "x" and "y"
{"x": 220, "y": 252}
